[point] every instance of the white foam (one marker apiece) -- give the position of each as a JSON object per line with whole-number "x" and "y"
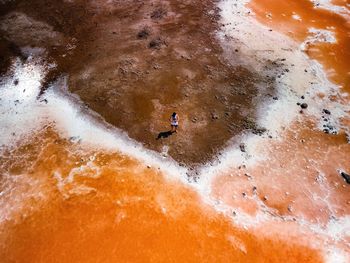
{"x": 336, "y": 255}
{"x": 328, "y": 5}
{"x": 296, "y": 17}
{"x": 72, "y": 121}
{"x": 319, "y": 36}
{"x": 71, "y": 118}
{"x": 19, "y": 109}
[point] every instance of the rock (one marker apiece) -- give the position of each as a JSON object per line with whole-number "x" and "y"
{"x": 265, "y": 198}
{"x": 248, "y": 175}
{"x": 155, "y": 43}
{"x": 289, "y": 208}
{"x": 275, "y": 98}
{"x": 16, "y": 82}
{"x": 298, "y": 103}
{"x": 144, "y": 33}
{"x": 214, "y": 116}
{"x": 302, "y": 97}
{"x": 259, "y": 131}
{"x": 149, "y": 167}
{"x": 244, "y": 194}
{"x": 304, "y": 105}
{"x": 242, "y": 147}
{"x": 326, "y": 111}
{"x": 346, "y": 177}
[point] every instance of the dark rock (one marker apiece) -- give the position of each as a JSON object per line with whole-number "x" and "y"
{"x": 214, "y": 116}
{"x": 16, "y": 82}
{"x": 326, "y": 111}
{"x": 302, "y": 97}
{"x": 304, "y": 105}
{"x": 259, "y": 131}
{"x": 346, "y": 177}
{"x": 144, "y": 33}
{"x": 156, "y": 43}
{"x": 275, "y": 98}
{"x": 298, "y": 103}
{"x": 242, "y": 147}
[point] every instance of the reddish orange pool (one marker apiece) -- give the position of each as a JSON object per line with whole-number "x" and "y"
{"x": 334, "y": 56}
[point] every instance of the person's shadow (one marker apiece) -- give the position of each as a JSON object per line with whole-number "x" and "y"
{"x": 164, "y": 134}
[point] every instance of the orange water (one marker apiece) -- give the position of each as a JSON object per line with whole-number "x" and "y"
{"x": 123, "y": 212}
{"x": 335, "y": 56}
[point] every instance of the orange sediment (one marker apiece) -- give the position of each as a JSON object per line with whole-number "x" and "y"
{"x": 92, "y": 207}
{"x": 295, "y": 18}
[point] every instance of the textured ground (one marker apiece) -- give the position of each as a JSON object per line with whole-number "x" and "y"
{"x": 135, "y": 62}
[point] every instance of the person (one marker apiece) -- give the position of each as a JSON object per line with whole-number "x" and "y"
{"x": 174, "y": 122}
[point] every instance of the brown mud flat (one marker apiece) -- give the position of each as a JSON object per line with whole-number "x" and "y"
{"x": 135, "y": 62}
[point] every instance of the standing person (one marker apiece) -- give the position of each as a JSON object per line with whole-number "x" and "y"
{"x": 174, "y": 122}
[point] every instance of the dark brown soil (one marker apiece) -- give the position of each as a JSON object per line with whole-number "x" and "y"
{"x": 136, "y": 62}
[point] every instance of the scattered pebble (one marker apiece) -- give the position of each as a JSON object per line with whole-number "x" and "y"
{"x": 304, "y": 105}
{"x": 326, "y": 111}
{"x": 242, "y": 147}
{"x": 346, "y": 177}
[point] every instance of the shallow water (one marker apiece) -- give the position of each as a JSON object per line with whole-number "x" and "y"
{"x": 297, "y": 18}
{"x": 103, "y": 206}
